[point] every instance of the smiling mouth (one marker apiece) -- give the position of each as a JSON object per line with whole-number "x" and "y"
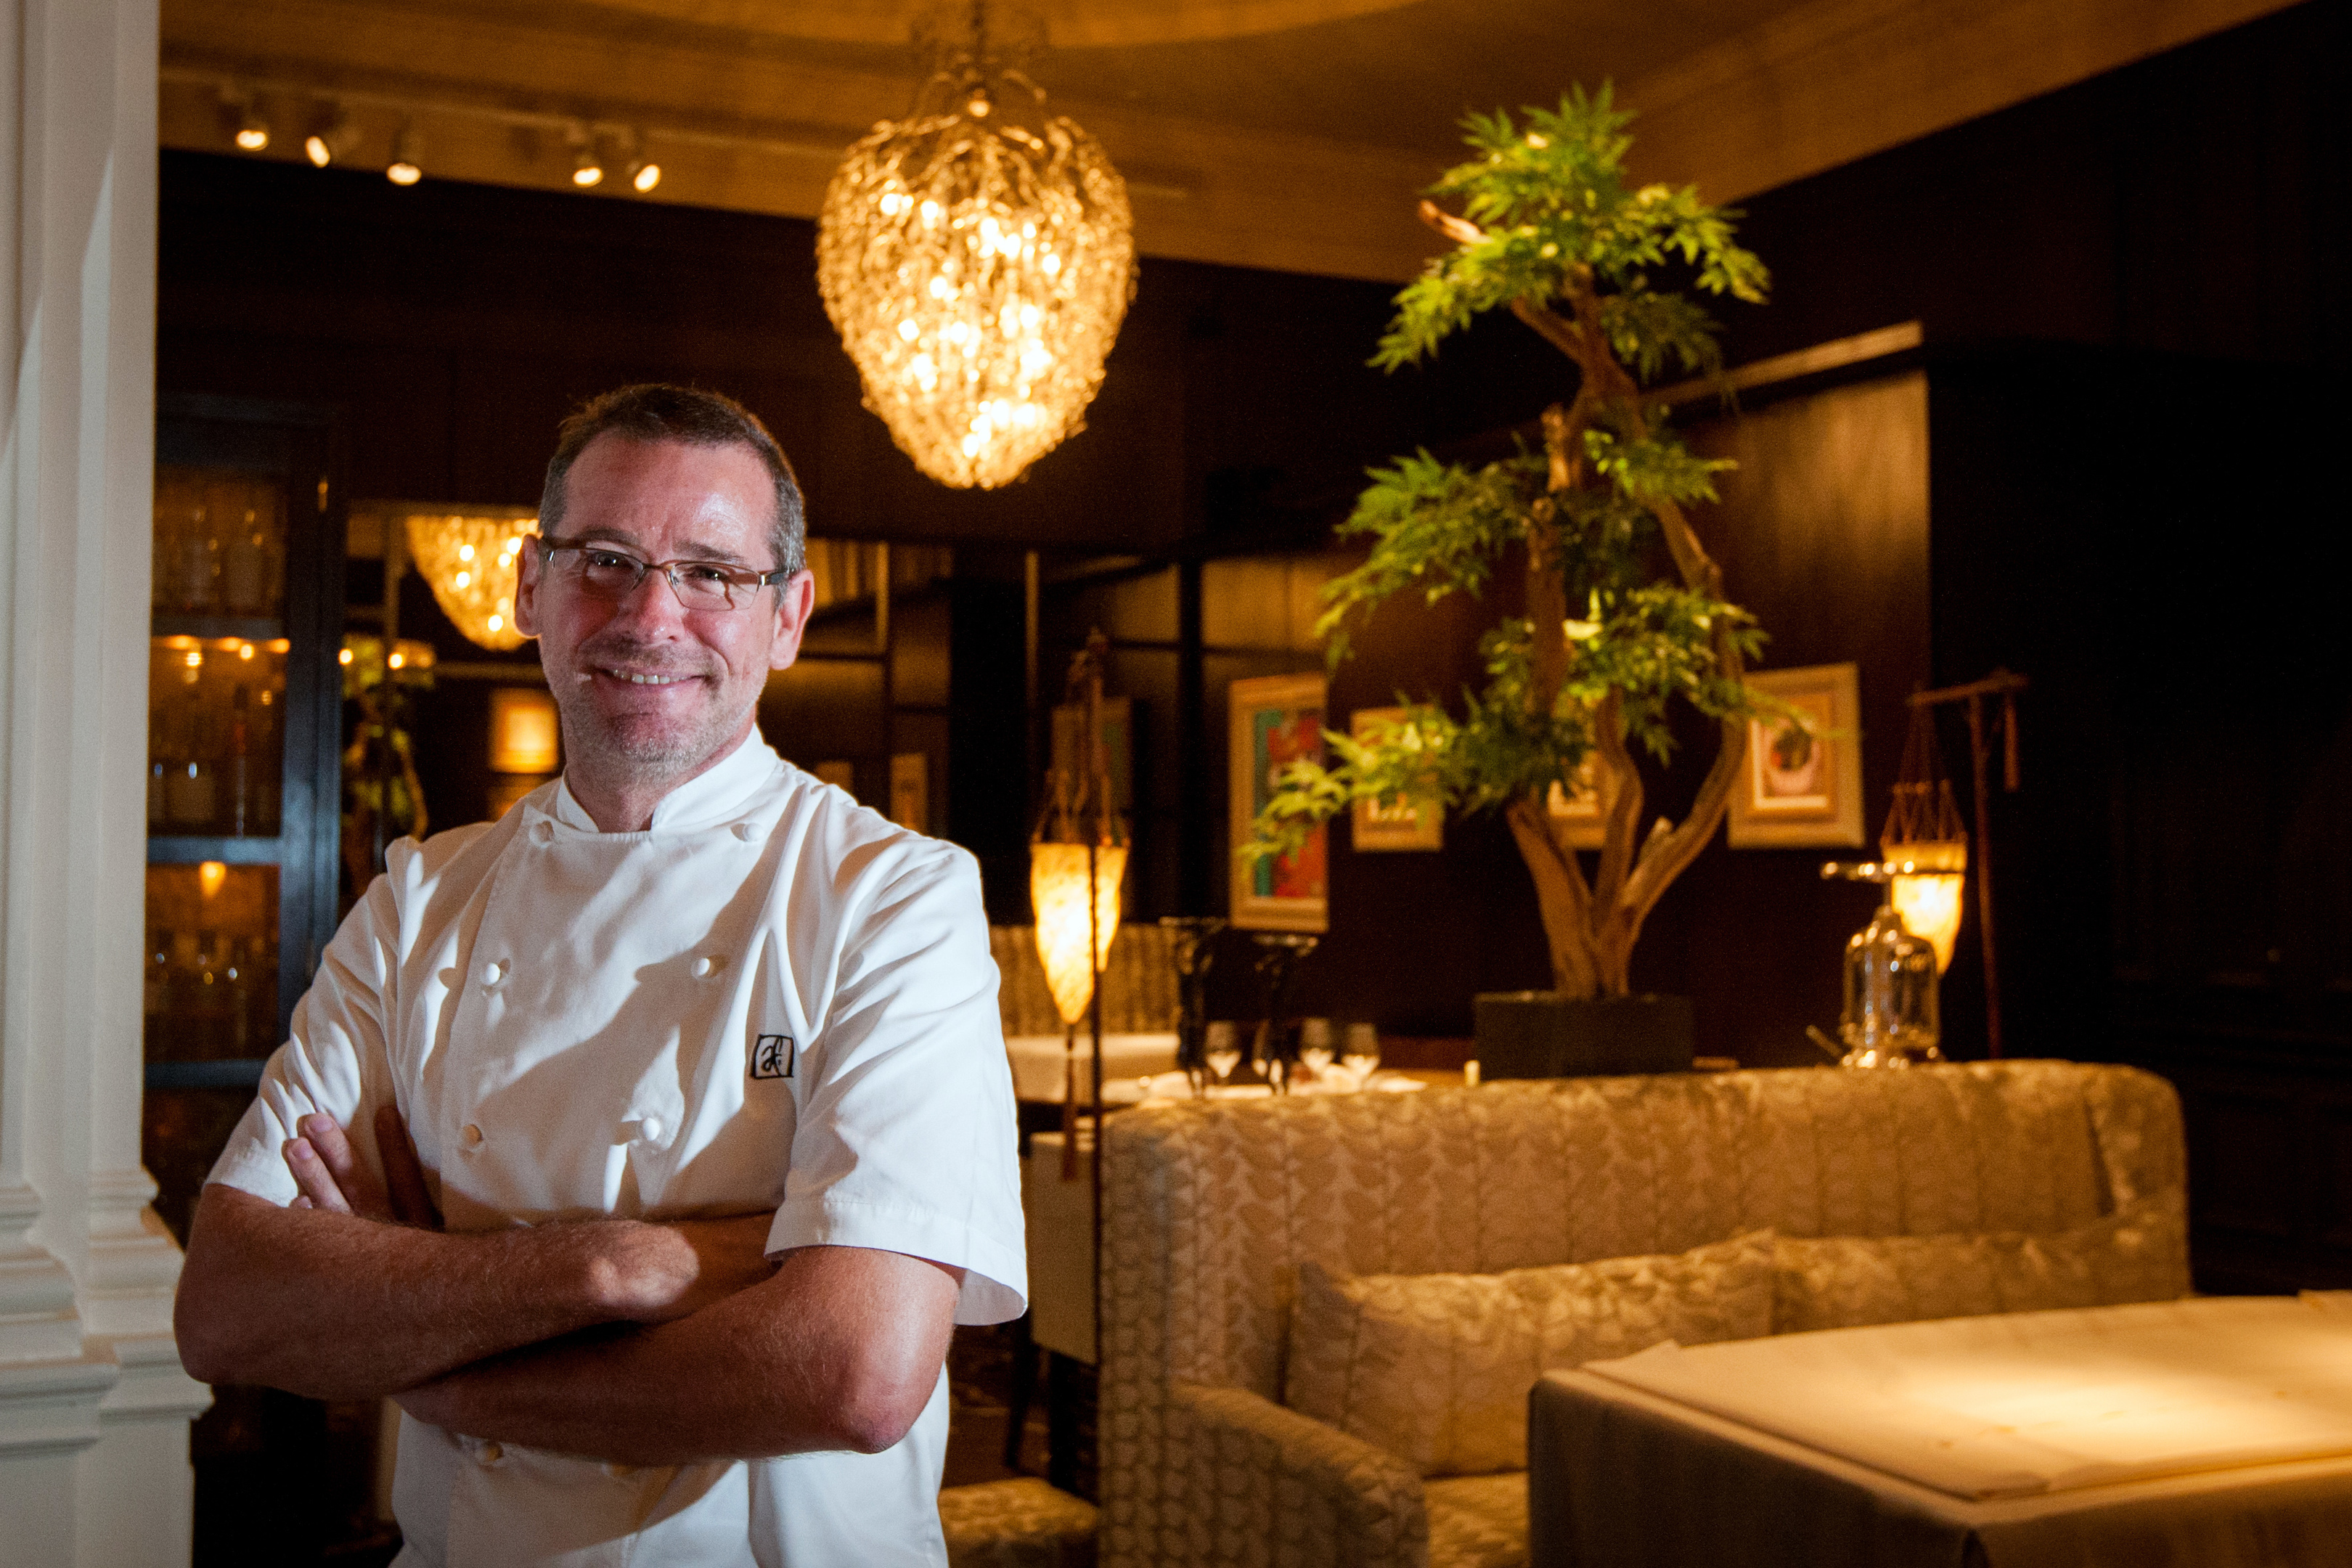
{"x": 645, "y": 680}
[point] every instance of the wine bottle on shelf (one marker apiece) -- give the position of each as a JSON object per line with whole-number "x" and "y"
{"x": 241, "y": 815}
{"x": 195, "y": 563}
{"x": 156, "y": 765}
{"x": 192, "y": 797}
{"x": 243, "y": 566}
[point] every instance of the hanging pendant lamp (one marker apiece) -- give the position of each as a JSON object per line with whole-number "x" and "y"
{"x": 978, "y": 269}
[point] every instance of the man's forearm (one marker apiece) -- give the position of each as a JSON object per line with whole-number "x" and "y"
{"x": 337, "y": 1307}
{"x": 840, "y": 1351}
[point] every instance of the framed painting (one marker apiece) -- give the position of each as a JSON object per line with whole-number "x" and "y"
{"x": 1276, "y": 720}
{"x": 1800, "y": 786}
{"x": 1397, "y": 822}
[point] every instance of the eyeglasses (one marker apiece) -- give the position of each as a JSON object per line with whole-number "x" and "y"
{"x": 614, "y": 575}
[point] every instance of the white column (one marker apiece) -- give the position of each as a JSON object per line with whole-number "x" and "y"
{"x": 94, "y": 1408}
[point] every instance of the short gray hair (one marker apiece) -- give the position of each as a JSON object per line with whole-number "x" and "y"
{"x": 655, "y": 411}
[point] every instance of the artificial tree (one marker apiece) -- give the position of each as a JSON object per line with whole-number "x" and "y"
{"x": 1549, "y": 231}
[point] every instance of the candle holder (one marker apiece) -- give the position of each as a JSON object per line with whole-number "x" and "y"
{"x": 1194, "y": 951}
{"x": 1279, "y": 952}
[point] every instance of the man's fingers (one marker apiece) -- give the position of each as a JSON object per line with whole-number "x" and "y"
{"x": 326, "y": 1136}
{"x": 403, "y": 1175}
{"x": 311, "y": 1175}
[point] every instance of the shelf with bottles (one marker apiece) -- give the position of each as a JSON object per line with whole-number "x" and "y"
{"x": 216, "y": 736}
{"x": 211, "y": 991}
{"x": 220, "y": 542}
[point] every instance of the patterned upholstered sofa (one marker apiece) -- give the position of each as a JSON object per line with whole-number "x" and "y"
{"x": 1212, "y": 1208}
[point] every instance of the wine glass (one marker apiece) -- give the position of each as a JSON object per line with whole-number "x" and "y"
{"x": 1360, "y": 1052}
{"x": 1224, "y": 1052}
{"x": 1315, "y": 1047}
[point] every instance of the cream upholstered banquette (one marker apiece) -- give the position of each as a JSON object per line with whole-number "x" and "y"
{"x": 1212, "y": 1208}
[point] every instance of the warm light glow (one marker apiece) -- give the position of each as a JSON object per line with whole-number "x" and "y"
{"x": 647, "y": 176}
{"x": 210, "y": 875}
{"x": 586, "y": 170}
{"x": 344, "y": 656}
{"x": 404, "y": 173}
{"x": 1931, "y": 903}
{"x": 253, "y": 138}
{"x": 315, "y": 148}
{"x": 473, "y": 564}
{"x": 280, "y": 644}
{"x": 522, "y": 731}
{"x": 977, "y": 274}
{"x": 1058, "y": 891}
{"x": 245, "y": 650}
{"x": 398, "y": 659}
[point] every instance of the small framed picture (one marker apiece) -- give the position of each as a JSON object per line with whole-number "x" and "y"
{"x": 1276, "y": 720}
{"x": 1399, "y": 822}
{"x": 1580, "y": 809}
{"x": 1801, "y": 784}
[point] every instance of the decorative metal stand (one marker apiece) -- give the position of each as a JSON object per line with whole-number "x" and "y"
{"x": 2004, "y": 685}
{"x": 1279, "y": 956}
{"x": 1196, "y": 951}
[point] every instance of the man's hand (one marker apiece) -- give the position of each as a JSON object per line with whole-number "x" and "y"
{"x": 331, "y": 1177}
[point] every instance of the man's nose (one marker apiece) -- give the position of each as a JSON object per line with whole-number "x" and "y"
{"x": 654, "y": 601}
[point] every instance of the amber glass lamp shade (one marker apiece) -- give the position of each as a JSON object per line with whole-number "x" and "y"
{"x": 1927, "y": 891}
{"x": 1058, "y": 891}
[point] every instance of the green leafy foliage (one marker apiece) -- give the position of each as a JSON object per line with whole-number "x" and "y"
{"x": 1559, "y": 230}
{"x": 1552, "y": 198}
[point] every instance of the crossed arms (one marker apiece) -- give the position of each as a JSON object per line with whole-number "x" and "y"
{"x": 633, "y": 1342}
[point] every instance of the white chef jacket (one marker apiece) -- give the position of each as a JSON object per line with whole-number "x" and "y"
{"x": 772, "y": 998}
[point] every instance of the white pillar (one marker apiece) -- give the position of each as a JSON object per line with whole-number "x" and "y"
{"x": 94, "y": 1408}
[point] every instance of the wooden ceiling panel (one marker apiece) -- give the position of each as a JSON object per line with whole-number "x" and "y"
{"x": 1283, "y": 133}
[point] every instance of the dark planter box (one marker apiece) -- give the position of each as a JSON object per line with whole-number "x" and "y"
{"x": 1540, "y": 1034}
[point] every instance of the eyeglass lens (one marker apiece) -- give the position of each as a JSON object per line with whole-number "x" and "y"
{"x": 699, "y": 585}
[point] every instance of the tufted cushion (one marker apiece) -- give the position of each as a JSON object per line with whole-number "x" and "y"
{"x": 2138, "y": 1254}
{"x": 1435, "y": 1368}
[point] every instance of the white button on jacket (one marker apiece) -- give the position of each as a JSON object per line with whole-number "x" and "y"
{"x": 789, "y": 999}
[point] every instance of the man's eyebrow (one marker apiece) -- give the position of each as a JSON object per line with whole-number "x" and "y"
{"x": 605, "y": 534}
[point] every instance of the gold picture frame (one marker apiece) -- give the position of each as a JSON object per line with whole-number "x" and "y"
{"x": 1276, "y": 720}
{"x": 1399, "y": 822}
{"x": 1800, "y": 784}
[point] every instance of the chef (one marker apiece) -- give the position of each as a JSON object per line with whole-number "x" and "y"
{"x": 646, "y": 1144}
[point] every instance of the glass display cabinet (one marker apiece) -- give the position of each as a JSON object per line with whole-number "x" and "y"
{"x": 244, "y": 722}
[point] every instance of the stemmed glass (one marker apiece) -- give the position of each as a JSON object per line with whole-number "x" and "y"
{"x": 1315, "y": 1049}
{"x": 1224, "y": 1051}
{"x": 1360, "y": 1052}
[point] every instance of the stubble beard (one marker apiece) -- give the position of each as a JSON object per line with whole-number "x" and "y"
{"x": 636, "y": 752}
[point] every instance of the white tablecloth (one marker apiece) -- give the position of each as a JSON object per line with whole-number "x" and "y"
{"x": 2213, "y": 1433}
{"x": 1038, "y": 1068}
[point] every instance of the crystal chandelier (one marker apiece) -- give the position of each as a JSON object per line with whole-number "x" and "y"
{"x": 473, "y": 564}
{"x": 977, "y": 270}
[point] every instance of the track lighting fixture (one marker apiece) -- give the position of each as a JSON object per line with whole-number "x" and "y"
{"x": 587, "y": 169}
{"x": 335, "y": 139}
{"x": 252, "y": 129}
{"x": 403, "y": 170}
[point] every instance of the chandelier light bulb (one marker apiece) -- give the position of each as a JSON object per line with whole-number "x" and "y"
{"x": 978, "y": 272}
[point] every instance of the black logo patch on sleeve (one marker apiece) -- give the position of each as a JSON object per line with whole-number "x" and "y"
{"x": 771, "y": 1056}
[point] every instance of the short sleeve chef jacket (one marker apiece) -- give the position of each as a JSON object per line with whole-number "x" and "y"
{"x": 772, "y": 998}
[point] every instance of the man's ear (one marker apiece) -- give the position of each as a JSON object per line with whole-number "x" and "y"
{"x": 795, "y": 602}
{"x": 526, "y": 610}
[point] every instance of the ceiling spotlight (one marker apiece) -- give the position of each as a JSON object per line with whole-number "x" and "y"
{"x": 252, "y": 131}
{"x": 335, "y": 139}
{"x": 643, "y": 174}
{"x": 587, "y": 169}
{"x": 404, "y": 169}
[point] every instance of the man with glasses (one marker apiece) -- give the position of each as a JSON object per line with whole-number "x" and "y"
{"x": 646, "y": 1144}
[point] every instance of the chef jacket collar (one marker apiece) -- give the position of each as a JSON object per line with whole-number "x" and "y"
{"x": 711, "y": 799}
